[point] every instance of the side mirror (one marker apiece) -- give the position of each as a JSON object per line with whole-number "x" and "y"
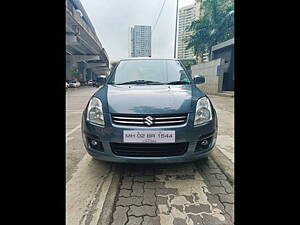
{"x": 199, "y": 79}
{"x": 102, "y": 80}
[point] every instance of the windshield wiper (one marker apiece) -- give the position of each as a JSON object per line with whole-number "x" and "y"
{"x": 179, "y": 82}
{"x": 140, "y": 82}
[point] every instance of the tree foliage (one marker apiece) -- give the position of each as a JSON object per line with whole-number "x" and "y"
{"x": 216, "y": 25}
{"x": 188, "y": 63}
{"x": 74, "y": 73}
{"x": 113, "y": 65}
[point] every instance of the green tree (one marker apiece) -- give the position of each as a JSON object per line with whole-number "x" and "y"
{"x": 113, "y": 65}
{"x": 74, "y": 73}
{"x": 188, "y": 63}
{"x": 216, "y": 25}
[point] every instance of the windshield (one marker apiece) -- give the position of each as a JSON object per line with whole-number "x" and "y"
{"x": 149, "y": 72}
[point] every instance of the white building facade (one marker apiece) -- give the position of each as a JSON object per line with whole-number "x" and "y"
{"x": 187, "y": 15}
{"x": 140, "y": 41}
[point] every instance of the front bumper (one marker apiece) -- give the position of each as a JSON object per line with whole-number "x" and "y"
{"x": 112, "y": 133}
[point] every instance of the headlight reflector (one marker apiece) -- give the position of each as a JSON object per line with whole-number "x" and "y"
{"x": 95, "y": 112}
{"x": 203, "y": 111}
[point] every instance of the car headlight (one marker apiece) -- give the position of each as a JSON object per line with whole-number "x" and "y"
{"x": 203, "y": 111}
{"x": 95, "y": 112}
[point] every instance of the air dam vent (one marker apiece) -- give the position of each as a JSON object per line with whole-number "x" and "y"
{"x": 149, "y": 120}
{"x": 148, "y": 150}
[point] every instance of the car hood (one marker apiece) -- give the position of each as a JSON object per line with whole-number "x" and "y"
{"x": 149, "y": 99}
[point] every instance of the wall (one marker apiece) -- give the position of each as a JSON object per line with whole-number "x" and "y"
{"x": 213, "y": 78}
{"x": 226, "y": 53}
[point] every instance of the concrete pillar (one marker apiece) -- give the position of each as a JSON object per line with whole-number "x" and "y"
{"x": 82, "y": 71}
{"x": 68, "y": 70}
{"x": 88, "y": 74}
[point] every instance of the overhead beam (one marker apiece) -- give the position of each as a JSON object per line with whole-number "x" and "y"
{"x": 80, "y": 58}
{"x": 94, "y": 65}
{"x": 71, "y": 39}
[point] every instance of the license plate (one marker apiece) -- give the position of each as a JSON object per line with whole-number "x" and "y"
{"x": 154, "y": 136}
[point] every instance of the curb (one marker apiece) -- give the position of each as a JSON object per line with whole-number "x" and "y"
{"x": 224, "y": 163}
{"x": 109, "y": 202}
{"x": 224, "y": 95}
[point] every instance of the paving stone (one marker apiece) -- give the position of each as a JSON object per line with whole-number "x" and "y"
{"x": 197, "y": 219}
{"x": 179, "y": 207}
{"x": 144, "y": 210}
{"x": 202, "y": 166}
{"x": 229, "y": 208}
{"x": 213, "y": 199}
{"x": 215, "y": 171}
{"x": 185, "y": 177}
{"x": 137, "y": 189}
{"x": 127, "y": 183}
{"x": 155, "y": 184}
{"x": 227, "y": 198}
{"x": 149, "y": 196}
{"x": 179, "y": 221}
{"x": 212, "y": 220}
{"x": 120, "y": 216}
{"x": 160, "y": 200}
{"x": 221, "y": 177}
{"x": 189, "y": 198}
{"x": 151, "y": 220}
{"x": 166, "y": 191}
{"x": 129, "y": 201}
{"x": 211, "y": 164}
{"x": 197, "y": 208}
{"x": 196, "y": 196}
{"x": 227, "y": 186}
{"x": 229, "y": 220}
{"x": 144, "y": 178}
{"x": 135, "y": 220}
{"x": 124, "y": 193}
{"x": 217, "y": 190}
{"x": 213, "y": 181}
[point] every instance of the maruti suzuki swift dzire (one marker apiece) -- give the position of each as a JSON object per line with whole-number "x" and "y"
{"x": 149, "y": 111}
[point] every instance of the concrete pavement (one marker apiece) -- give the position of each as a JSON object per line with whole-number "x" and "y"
{"x": 224, "y": 149}
{"x": 87, "y": 180}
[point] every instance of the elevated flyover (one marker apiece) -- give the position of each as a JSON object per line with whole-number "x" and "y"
{"x": 83, "y": 48}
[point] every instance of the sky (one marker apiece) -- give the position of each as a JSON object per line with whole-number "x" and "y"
{"x": 113, "y": 18}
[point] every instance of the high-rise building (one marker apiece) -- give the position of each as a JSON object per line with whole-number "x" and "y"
{"x": 187, "y": 15}
{"x": 140, "y": 41}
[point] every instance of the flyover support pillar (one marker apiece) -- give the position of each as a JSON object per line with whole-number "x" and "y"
{"x": 69, "y": 65}
{"x": 82, "y": 71}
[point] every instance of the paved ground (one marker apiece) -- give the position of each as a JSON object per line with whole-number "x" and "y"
{"x": 87, "y": 180}
{"x": 191, "y": 193}
{"x": 225, "y": 111}
{"x": 76, "y": 100}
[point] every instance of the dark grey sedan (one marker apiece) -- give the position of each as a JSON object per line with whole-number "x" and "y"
{"x": 149, "y": 111}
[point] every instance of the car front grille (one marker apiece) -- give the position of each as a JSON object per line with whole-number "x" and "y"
{"x": 149, "y": 120}
{"x": 149, "y": 150}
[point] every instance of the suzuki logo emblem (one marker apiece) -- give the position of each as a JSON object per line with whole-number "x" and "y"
{"x": 148, "y": 120}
